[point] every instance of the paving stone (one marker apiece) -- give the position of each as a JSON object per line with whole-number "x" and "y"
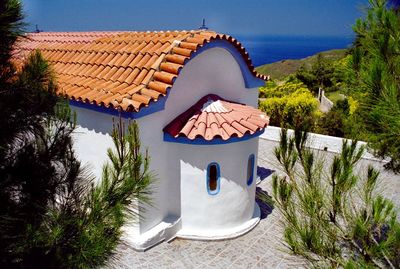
{"x": 290, "y": 265}
{"x": 229, "y": 255}
{"x": 263, "y": 247}
{"x": 270, "y": 262}
{"x": 218, "y": 246}
{"x": 245, "y": 262}
{"x": 219, "y": 263}
{"x": 161, "y": 262}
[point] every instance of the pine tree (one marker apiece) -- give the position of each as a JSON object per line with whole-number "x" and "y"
{"x": 332, "y": 217}
{"x": 51, "y": 213}
{"x": 319, "y": 75}
{"x": 376, "y": 57}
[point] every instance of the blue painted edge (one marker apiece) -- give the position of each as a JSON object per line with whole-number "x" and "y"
{"x": 215, "y": 141}
{"x": 250, "y": 80}
{"x": 216, "y": 191}
{"x": 152, "y": 108}
{"x": 250, "y": 179}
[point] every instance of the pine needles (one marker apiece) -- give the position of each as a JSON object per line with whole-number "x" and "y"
{"x": 377, "y": 53}
{"x": 332, "y": 216}
{"x": 51, "y": 213}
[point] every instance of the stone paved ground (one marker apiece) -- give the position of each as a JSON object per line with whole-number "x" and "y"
{"x": 260, "y": 248}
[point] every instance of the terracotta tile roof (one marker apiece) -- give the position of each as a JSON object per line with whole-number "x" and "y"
{"x": 213, "y": 117}
{"x": 121, "y": 70}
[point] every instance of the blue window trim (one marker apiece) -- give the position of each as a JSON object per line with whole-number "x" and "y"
{"x": 216, "y": 191}
{"x": 250, "y": 82}
{"x": 215, "y": 141}
{"x": 251, "y": 178}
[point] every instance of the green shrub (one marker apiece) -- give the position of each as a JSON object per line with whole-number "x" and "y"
{"x": 289, "y": 105}
{"x": 339, "y": 121}
{"x": 331, "y": 123}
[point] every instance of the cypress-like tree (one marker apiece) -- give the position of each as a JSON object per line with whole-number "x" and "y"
{"x": 319, "y": 76}
{"x": 51, "y": 213}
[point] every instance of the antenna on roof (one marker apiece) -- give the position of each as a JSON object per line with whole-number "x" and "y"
{"x": 37, "y": 30}
{"x": 203, "y": 26}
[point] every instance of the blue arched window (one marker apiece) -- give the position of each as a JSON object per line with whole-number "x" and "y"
{"x": 213, "y": 175}
{"x": 250, "y": 169}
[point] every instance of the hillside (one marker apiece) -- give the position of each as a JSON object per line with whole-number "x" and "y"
{"x": 281, "y": 69}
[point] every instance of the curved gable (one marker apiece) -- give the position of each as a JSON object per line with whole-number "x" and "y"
{"x": 251, "y": 78}
{"x": 127, "y": 71}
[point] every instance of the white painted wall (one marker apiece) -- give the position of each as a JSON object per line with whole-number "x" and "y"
{"x": 92, "y": 139}
{"x": 213, "y": 71}
{"x": 205, "y": 214}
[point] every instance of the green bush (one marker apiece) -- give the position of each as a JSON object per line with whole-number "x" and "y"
{"x": 289, "y": 105}
{"x": 331, "y": 123}
{"x": 337, "y": 121}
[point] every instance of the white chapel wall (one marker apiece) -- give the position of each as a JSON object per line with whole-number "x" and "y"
{"x": 213, "y": 71}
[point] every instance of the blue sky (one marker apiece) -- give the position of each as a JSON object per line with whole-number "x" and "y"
{"x": 272, "y": 17}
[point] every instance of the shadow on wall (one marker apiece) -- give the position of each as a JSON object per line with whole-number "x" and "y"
{"x": 265, "y": 202}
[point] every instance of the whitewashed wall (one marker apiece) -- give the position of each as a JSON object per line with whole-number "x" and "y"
{"x": 207, "y": 215}
{"x": 213, "y": 71}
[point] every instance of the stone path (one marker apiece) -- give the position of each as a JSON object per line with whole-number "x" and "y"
{"x": 260, "y": 248}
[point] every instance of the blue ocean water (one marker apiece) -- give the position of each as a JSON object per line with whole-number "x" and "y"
{"x": 269, "y": 49}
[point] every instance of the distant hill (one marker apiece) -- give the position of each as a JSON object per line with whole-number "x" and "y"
{"x": 282, "y": 69}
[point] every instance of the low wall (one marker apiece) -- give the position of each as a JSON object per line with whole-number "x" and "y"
{"x": 317, "y": 141}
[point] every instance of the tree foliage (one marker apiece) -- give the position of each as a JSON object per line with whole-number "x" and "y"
{"x": 288, "y": 105}
{"x": 11, "y": 27}
{"x": 376, "y": 59}
{"x": 83, "y": 229}
{"x": 333, "y": 217}
{"x": 51, "y": 213}
{"x": 320, "y": 75}
{"x": 339, "y": 120}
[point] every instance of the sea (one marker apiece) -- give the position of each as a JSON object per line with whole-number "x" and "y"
{"x": 264, "y": 49}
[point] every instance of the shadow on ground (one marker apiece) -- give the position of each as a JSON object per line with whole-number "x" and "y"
{"x": 265, "y": 202}
{"x": 263, "y": 172}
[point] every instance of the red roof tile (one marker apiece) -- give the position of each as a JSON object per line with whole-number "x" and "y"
{"x": 93, "y": 67}
{"x": 213, "y": 117}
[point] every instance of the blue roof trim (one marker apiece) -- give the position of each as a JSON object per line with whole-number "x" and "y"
{"x": 250, "y": 80}
{"x": 215, "y": 141}
{"x": 152, "y": 108}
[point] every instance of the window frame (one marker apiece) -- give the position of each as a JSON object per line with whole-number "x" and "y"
{"x": 250, "y": 179}
{"x": 216, "y": 191}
